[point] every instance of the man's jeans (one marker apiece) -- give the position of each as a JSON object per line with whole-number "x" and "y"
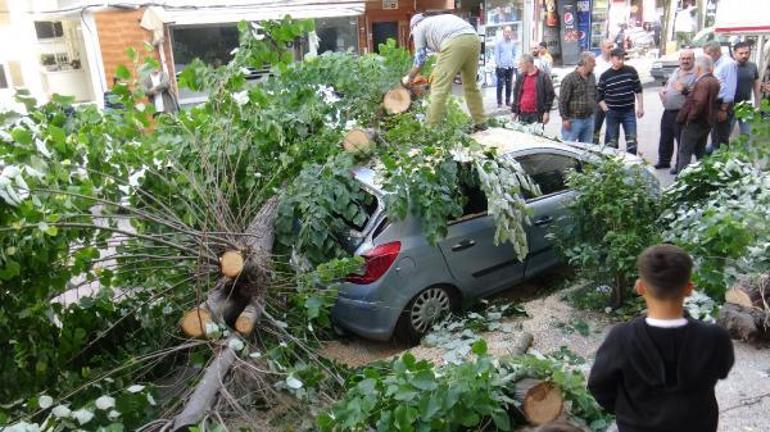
{"x": 614, "y": 119}
{"x": 720, "y": 134}
{"x": 581, "y": 130}
{"x": 504, "y": 78}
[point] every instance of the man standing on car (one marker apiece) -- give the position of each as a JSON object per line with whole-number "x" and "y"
{"x": 698, "y": 114}
{"x": 458, "y": 48}
{"x": 618, "y": 88}
{"x": 726, "y": 71}
{"x": 505, "y": 54}
{"x": 577, "y": 101}
{"x": 748, "y": 82}
{"x": 603, "y": 63}
{"x": 533, "y": 93}
{"x": 673, "y": 96}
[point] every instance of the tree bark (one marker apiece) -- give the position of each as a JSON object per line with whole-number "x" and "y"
{"x": 206, "y": 391}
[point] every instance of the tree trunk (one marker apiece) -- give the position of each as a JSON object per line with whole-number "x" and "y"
{"x": 206, "y": 391}
{"x": 751, "y": 293}
{"x": 540, "y": 402}
{"x": 242, "y": 295}
{"x": 748, "y": 324}
{"x": 397, "y": 100}
{"x": 220, "y": 307}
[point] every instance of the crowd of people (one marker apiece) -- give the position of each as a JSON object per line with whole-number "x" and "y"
{"x": 698, "y": 100}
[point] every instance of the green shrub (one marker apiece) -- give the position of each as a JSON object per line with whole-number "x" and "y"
{"x": 612, "y": 220}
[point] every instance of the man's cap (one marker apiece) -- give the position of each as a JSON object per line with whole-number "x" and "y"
{"x": 618, "y": 52}
{"x": 416, "y": 19}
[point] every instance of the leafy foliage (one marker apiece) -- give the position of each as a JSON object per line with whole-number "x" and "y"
{"x": 611, "y": 221}
{"x": 412, "y": 395}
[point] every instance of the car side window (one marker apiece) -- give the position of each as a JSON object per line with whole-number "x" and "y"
{"x": 548, "y": 170}
{"x": 474, "y": 199}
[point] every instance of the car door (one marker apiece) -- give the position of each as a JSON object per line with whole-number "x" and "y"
{"x": 548, "y": 168}
{"x": 474, "y": 261}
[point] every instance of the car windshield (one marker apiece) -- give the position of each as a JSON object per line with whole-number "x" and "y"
{"x": 705, "y": 36}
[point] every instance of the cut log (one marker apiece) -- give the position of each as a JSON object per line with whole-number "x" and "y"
{"x": 397, "y": 100}
{"x": 359, "y": 141}
{"x": 540, "y": 401}
{"x": 751, "y": 292}
{"x": 248, "y": 318}
{"x": 231, "y": 263}
{"x": 749, "y": 324}
{"x": 194, "y": 323}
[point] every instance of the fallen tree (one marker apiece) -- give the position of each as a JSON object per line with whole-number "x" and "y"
{"x": 746, "y": 312}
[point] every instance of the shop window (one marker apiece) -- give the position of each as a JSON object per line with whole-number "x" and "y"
{"x": 48, "y": 29}
{"x": 336, "y": 34}
{"x": 499, "y": 15}
{"x": 211, "y": 43}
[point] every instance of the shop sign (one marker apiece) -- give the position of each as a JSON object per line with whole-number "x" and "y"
{"x": 390, "y": 4}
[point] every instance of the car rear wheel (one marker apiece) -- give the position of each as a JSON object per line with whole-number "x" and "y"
{"x": 424, "y": 310}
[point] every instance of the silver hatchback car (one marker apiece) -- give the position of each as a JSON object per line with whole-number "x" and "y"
{"x": 408, "y": 283}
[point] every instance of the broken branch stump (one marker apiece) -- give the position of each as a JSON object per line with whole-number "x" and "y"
{"x": 359, "y": 140}
{"x": 540, "y": 401}
{"x": 397, "y": 100}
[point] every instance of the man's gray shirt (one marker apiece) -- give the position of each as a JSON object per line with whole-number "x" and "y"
{"x": 747, "y": 73}
{"x": 434, "y": 31}
{"x": 674, "y": 99}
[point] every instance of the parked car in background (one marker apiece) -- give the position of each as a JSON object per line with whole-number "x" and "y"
{"x": 662, "y": 68}
{"x": 408, "y": 283}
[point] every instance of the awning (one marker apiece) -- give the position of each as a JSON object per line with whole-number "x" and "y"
{"x": 256, "y": 11}
{"x": 733, "y": 17}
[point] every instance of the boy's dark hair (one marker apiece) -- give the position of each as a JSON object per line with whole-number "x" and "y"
{"x": 666, "y": 270}
{"x": 618, "y": 52}
{"x": 558, "y": 426}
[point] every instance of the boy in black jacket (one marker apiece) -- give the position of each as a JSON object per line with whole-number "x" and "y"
{"x": 657, "y": 373}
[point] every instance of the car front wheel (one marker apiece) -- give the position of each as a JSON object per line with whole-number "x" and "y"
{"x": 424, "y": 310}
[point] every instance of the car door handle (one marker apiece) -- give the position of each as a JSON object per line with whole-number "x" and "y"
{"x": 545, "y": 220}
{"x": 465, "y": 244}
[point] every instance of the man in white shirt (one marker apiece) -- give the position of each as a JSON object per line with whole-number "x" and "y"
{"x": 603, "y": 63}
{"x": 726, "y": 71}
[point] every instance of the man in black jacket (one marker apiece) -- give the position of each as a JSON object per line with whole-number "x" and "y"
{"x": 657, "y": 373}
{"x": 533, "y": 93}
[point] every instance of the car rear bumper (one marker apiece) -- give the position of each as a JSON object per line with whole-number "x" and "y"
{"x": 367, "y": 319}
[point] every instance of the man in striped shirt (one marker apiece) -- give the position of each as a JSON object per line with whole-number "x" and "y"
{"x": 619, "y": 95}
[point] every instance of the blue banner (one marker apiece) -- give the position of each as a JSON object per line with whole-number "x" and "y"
{"x": 584, "y": 24}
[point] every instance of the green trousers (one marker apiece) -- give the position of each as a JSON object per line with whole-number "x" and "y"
{"x": 460, "y": 54}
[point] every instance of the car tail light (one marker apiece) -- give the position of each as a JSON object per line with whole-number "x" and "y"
{"x": 376, "y": 262}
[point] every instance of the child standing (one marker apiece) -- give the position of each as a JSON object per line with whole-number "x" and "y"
{"x": 657, "y": 373}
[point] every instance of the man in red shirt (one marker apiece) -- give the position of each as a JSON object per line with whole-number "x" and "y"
{"x": 533, "y": 93}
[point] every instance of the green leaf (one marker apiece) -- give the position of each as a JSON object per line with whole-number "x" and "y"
{"x": 22, "y": 136}
{"x": 122, "y": 71}
{"x": 424, "y": 380}
{"x": 479, "y": 347}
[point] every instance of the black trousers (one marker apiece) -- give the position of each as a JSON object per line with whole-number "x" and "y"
{"x": 669, "y": 132}
{"x": 599, "y": 115}
{"x": 721, "y": 133}
{"x": 693, "y": 142}
{"x": 504, "y": 79}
